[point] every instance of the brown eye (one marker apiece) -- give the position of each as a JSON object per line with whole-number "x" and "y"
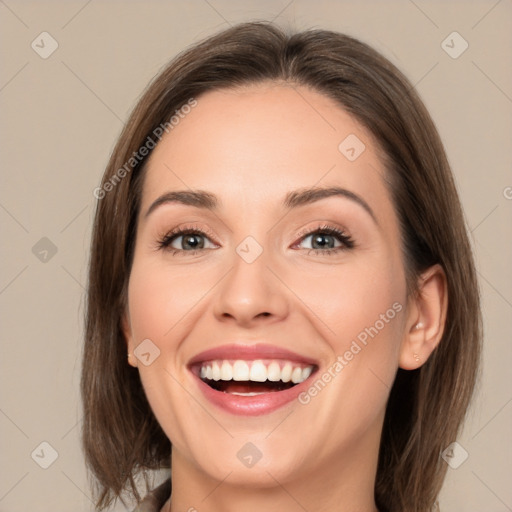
{"x": 190, "y": 241}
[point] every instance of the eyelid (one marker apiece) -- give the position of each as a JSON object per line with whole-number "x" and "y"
{"x": 190, "y": 226}
{"x": 331, "y": 229}
{"x": 338, "y": 232}
{"x": 164, "y": 240}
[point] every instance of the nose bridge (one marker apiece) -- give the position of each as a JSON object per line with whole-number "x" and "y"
{"x": 250, "y": 291}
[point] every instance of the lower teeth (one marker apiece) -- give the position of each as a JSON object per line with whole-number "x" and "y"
{"x": 243, "y": 394}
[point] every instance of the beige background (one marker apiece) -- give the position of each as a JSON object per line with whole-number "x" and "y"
{"x": 60, "y": 118}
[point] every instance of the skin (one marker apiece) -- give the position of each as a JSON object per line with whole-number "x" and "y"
{"x": 251, "y": 146}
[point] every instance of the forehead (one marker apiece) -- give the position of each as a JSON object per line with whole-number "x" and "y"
{"x": 251, "y": 145}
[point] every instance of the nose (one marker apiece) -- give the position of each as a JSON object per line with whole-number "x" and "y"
{"x": 251, "y": 294}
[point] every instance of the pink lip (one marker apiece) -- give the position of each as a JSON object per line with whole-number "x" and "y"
{"x": 250, "y": 405}
{"x": 250, "y": 353}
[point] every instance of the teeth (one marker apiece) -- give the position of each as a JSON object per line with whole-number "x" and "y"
{"x": 255, "y": 371}
{"x": 286, "y": 373}
{"x": 274, "y": 372}
{"x": 258, "y": 372}
{"x": 297, "y": 375}
{"x": 306, "y": 373}
{"x": 226, "y": 371}
{"x": 245, "y": 394}
{"x": 215, "y": 371}
{"x": 240, "y": 370}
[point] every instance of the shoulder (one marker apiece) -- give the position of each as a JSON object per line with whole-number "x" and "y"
{"x": 155, "y": 499}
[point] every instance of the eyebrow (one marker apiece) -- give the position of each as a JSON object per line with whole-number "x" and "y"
{"x": 294, "y": 199}
{"x": 197, "y": 198}
{"x": 310, "y": 195}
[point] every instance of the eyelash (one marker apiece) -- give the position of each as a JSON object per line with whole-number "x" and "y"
{"x": 165, "y": 242}
{"x": 346, "y": 240}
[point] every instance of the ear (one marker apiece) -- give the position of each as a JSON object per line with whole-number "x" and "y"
{"x": 126, "y": 328}
{"x": 425, "y": 320}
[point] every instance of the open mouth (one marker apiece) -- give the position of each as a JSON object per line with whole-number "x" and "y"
{"x": 252, "y": 378}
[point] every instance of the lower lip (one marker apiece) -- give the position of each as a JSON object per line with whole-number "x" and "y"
{"x": 252, "y": 405}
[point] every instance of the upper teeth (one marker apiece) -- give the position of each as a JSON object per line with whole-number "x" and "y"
{"x": 257, "y": 371}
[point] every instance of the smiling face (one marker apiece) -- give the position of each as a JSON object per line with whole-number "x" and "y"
{"x": 264, "y": 268}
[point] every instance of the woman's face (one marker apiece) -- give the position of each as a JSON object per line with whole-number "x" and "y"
{"x": 269, "y": 284}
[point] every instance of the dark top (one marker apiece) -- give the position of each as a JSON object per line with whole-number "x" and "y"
{"x": 155, "y": 499}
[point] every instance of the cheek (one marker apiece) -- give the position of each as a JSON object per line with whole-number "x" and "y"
{"x": 158, "y": 303}
{"x": 359, "y": 310}
{"x": 349, "y": 299}
{"x": 149, "y": 304}
{"x": 159, "y": 299}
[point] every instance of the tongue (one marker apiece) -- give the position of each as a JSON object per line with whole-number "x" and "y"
{"x": 237, "y": 387}
{"x": 250, "y": 387}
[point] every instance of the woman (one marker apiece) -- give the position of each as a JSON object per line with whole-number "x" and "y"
{"x": 280, "y": 250}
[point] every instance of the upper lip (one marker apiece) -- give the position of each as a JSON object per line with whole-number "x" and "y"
{"x": 250, "y": 353}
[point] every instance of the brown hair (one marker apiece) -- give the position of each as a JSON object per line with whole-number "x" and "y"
{"x": 121, "y": 437}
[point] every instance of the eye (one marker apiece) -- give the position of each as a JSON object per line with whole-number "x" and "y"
{"x": 186, "y": 240}
{"x": 191, "y": 240}
{"x": 327, "y": 240}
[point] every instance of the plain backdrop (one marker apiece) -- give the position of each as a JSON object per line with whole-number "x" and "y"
{"x": 61, "y": 113}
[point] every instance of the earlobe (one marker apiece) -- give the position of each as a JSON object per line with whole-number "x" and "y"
{"x": 426, "y": 320}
